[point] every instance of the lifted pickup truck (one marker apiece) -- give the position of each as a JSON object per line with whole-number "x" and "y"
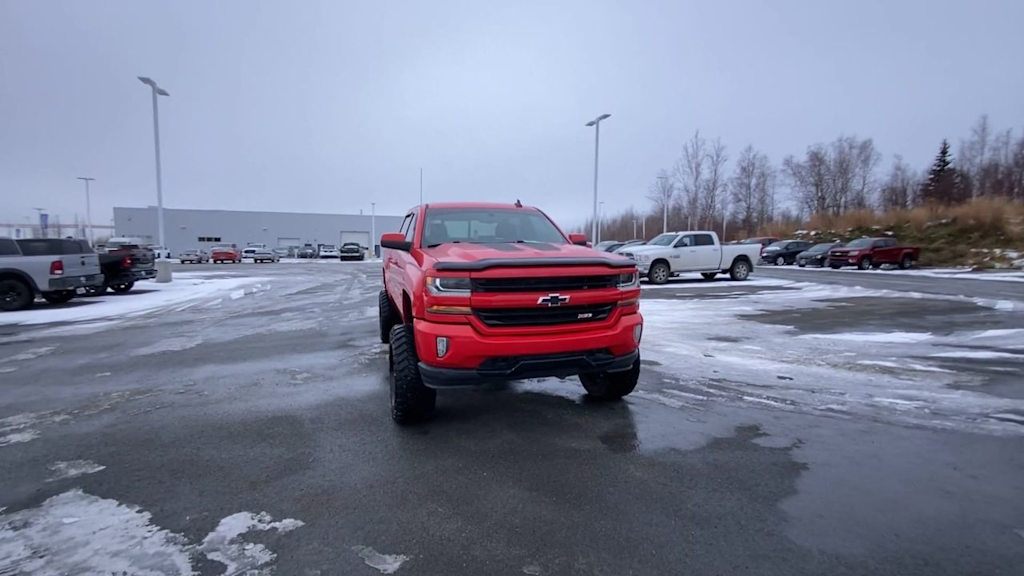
{"x": 50, "y": 267}
{"x": 867, "y": 253}
{"x": 673, "y": 253}
{"x": 494, "y": 292}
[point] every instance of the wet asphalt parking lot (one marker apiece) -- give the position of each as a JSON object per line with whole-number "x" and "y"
{"x": 804, "y": 422}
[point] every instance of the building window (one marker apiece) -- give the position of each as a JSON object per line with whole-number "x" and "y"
{"x": 209, "y": 238}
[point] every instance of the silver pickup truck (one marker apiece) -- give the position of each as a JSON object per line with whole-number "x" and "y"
{"x": 49, "y": 267}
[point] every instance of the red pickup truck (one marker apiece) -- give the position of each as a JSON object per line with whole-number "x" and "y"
{"x": 475, "y": 293}
{"x": 867, "y": 253}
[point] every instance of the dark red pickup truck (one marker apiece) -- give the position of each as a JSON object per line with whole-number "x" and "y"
{"x": 483, "y": 292}
{"x": 867, "y": 253}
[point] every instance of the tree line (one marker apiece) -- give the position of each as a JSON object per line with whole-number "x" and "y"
{"x": 701, "y": 189}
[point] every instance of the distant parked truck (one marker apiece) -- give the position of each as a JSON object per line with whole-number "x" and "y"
{"x": 52, "y": 268}
{"x": 867, "y": 253}
{"x": 674, "y": 253}
{"x": 124, "y": 262}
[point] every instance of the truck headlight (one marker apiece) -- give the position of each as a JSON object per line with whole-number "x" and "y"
{"x": 644, "y": 258}
{"x": 448, "y": 285}
{"x": 627, "y": 280}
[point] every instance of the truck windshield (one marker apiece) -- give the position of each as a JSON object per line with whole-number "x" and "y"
{"x": 488, "y": 226}
{"x": 860, "y": 243}
{"x": 663, "y": 240}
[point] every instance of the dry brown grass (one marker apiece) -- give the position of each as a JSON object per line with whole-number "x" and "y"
{"x": 946, "y": 234}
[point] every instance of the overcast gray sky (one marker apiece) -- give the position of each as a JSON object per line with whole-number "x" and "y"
{"x": 327, "y": 106}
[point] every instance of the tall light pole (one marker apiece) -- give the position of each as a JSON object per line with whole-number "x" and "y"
{"x": 665, "y": 198}
{"x": 88, "y": 207}
{"x": 373, "y": 229}
{"x": 600, "y": 221}
{"x": 596, "y": 123}
{"x": 157, "y": 91}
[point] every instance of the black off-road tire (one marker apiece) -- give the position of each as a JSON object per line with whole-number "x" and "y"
{"x": 740, "y": 270}
{"x": 387, "y": 317}
{"x": 15, "y": 295}
{"x": 659, "y": 273}
{"x": 611, "y": 385}
{"x": 411, "y": 400}
{"x": 60, "y": 297}
{"x": 864, "y": 263}
{"x": 708, "y": 275}
{"x": 835, "y": 266}
{"x": 906, "y": 262}
{"x": 122, "y": 287}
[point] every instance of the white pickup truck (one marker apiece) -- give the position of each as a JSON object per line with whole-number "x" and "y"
{"x": 673, "y": 253}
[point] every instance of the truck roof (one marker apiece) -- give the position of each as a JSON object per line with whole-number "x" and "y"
{"x": 493, "y": 205}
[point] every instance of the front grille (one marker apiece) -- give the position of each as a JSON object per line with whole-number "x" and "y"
{"x": 556, "y": 284}
{"x": 543, "y": 316}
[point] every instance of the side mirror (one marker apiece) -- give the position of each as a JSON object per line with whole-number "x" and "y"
{"x": 395, "y": 241}
{"x": 578, "y": 239}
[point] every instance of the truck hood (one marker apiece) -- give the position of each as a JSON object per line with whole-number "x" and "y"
{"x": 644, "y": 249}
{"x": 468, "y": 256}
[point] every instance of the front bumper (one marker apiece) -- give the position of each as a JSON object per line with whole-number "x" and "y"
{"x": 474, "y": 358}
{"x": 72, "y": 282}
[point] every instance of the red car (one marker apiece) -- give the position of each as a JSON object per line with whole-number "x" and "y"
{"x": 867, "y": 253}
{"x": 475, "y": 293}
{"x": 220, "y": 254}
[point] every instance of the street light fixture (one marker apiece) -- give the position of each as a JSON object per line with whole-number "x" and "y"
{"x": 596, "y": 123}
{"x": 157, "y": 91}
{"x": 88, "y": 207}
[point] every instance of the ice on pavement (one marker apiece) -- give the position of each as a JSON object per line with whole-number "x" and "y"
{"x": 78, "y": 533}
{"x": 147, "y": 297}
{"x": 73, "y": 469}
{"x": 383, "y": 563}
{"x": 704, "y": 344}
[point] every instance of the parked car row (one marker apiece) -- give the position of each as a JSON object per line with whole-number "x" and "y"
{"x": 863, "y": 253}
{"x": 59, "y": 269}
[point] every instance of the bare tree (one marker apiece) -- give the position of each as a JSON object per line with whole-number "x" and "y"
{"x": 899, "y": 187}
{"x": 973, "y": 157}
{"x": 689, "y": 175}
{"x": 809, "y": 179}
{"x": 661, "y": 192}
{"x": 714, "y": 185}
{"x": 834, "y": 179}
{"x": 752, "y": 190}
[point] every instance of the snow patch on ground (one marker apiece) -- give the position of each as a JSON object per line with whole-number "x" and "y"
{"x": 173, "y": 344}
{"x": 78, "y": 533}
{"x": 23, "y": 436}
{"x": 705, "y": 340}
{"x": 384, "y": 563}
{"x": 72, "y": 469}
{"x": 978, "y": 355}
{"x": 880, "y": 337}
{"x": 224, "y": 544}
{"x": 148, "y": 298}
{"x": 31, "y": 354}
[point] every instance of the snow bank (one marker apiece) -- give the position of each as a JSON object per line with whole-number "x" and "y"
{"x": 150, "y": 297}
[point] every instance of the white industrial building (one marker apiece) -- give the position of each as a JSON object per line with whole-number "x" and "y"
{"x": 196, "y": 229}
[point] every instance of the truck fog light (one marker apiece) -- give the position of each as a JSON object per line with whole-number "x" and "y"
{"x": 442, "y": 346}
{"x": 638, "y": 331}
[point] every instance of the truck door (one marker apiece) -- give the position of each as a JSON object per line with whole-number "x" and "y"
{"x": 708, "y": 254}
{"x": 685, "y": 254}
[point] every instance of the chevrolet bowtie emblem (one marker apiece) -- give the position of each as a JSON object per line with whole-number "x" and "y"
{"x": 553, "y": 300}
